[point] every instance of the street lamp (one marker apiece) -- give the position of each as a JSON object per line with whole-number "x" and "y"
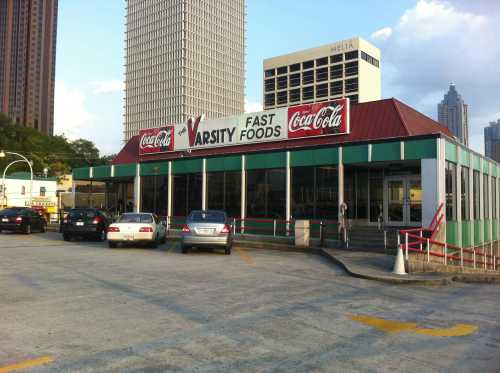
{"x": 3, "y": 154}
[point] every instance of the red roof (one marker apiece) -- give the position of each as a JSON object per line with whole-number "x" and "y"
{"x": 369, "y": 121}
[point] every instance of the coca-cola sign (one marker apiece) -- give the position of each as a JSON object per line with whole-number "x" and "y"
{"x": 156, "y": 140}
{"x": 325, "y": 118}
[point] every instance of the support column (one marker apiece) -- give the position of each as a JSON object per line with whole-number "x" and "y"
{"x": 481, "y": 202}
{"x": 288, "y": 215}
{"x": 433, "y": 184}
{"x": 243, "y": 191}
{"x": 341, "y": 182}
{"x": 204, "y": 185}
{"x": 458, "y": 199}
{"x": 137, "y": 188}
{"x": 471, "y": 199}
{"x": 170, "y": 190}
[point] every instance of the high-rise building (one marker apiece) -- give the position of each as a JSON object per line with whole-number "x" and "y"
{"x": 28, "y": 32}
{"x": 492, "y": 140}
{"x": 184, "y": 58}
{"x": 453, "y": 113}
{"x": 348, "y": 68}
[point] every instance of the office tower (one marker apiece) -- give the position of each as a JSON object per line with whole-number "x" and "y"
{"x": 453, "y": 113}
{"x": 28, "y": 32}
{"x": 184, "y": 58}
{"x": 348, "y": 68}
{"x": 492, "y": 140}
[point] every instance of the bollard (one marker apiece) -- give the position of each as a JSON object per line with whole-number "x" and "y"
{"x": 321, "y": 235}
{"x": 428, "y": 251}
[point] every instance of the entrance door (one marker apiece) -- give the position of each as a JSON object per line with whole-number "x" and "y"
{"x": 403, "y": 200}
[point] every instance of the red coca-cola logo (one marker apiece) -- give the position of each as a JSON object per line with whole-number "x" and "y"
{"x": 328, "y": 118}
{"x": 156, "y": 140}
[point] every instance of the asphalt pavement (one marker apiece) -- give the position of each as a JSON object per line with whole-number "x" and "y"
{"x": 82, "y": 307}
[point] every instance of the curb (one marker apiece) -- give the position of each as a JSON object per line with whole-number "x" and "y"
{"x": 387, "y": 280}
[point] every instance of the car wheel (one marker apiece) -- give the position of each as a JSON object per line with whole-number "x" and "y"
{"x": 184, "y": 249}
{"x": 227, "y": 251}
{"x": 111, "y": 244}
{"x": 66, "y": 237}
{"x": 163, "y": 239}
{"x": 154, "y": 243}
{"x": 101, "y": 236}
{"x": 27, "y": 229}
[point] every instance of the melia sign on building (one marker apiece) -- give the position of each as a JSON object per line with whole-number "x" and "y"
{"x": 311, "y": 120}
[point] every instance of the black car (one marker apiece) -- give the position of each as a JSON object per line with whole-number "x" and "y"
{"x": 22, "y": 219}
{"x": 85, "y": 222}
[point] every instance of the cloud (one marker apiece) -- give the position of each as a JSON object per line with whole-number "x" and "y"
{"x": 436, "y": 42}
{"x": 108, "y": 86}
{"x": 382, "y": 34}
{"x": 70, "y": 111}
{"x": 252, "y": 107}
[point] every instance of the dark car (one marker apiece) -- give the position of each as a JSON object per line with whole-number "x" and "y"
{"x": 86, "y": 223}
{"x": 22, "y": 219}
{"x": 207, "y": 228}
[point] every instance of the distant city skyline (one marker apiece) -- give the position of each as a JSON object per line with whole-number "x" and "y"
{"x": 453, "y": 113}
{"x": 492, "y": 140}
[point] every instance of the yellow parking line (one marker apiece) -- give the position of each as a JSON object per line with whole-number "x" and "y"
{"x": 27, "y": 364}
{"x": 393, "y": 326}
{"x": 247, "y": 258}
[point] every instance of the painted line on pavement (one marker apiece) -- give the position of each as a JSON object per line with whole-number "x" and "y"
{"x": 247, "y": 258}
{"x": 27, "y": 364}
{"x": 394, "y": 326}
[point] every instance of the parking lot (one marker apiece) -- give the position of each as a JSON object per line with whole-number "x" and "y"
{"x": 80, "y": 306}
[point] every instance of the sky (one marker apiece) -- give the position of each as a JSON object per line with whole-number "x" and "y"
{"x": 425, "y": 45}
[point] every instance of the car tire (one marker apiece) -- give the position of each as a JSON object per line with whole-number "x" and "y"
{"x": 164, "y": 239}
{"x": 184, "y": 249}
{"x": 154, "y": 243}
{"x": 27, "y": 229}
{"x": 112, "y": 245}
{"x": 66, "y": 237}
{"x": 227, "y": 251}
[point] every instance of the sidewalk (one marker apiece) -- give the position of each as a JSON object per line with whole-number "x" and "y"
{"x": 378, "y": 267}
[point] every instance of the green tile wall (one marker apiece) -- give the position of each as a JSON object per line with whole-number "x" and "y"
{"x": 187, "y": 166}
{"x": 315, "y": 157}
{"x": 125, "y": 170}
{"x": 420, "y": 149}
{"x": 155, "y": 168}
{"x": 355, "y": 154}
{"x": 266, "y": 160}
{"x": 228, "y": 163}
{"x": 450, "y": 152}
{"x": 389, "y": 151}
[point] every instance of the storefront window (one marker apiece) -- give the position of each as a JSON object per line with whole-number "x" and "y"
{"x": 266, "y": 193}
{"x": 314, "y": 192}
{"x": 376, "y": 195}
{"x": 187, "y": 193}
{"x": 475, "y": 185}
{"x": 224, "y": 192}
{"x": 465, "y": 194}
{"x": 154, "y": 192}
{"x": 451, "y": 190}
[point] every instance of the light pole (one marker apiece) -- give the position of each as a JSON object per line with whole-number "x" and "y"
{"x": 4, "y": 194}
{"x": 24, "y": 159}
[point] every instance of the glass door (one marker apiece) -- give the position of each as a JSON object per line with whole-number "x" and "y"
{"x": 403, "y": 200}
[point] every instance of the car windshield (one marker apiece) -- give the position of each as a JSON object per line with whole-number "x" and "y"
{"x": 135, "y": 218}
{"x": 12, "y": 211}
{"x": 82, "y": 214}
{"x": 207, "y": 217}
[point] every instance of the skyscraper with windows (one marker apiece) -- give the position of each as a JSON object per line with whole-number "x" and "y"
{"x": 28, "y": 31}
{"x": 184, "y": 58}
{"x": 453, "y": 113}
{"x": 348, "y": 68}
{"x": 492, "y": 140}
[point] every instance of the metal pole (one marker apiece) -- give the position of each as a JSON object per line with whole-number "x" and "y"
{"x": 385, "y": 240}
{"x": 445, "y": 253}
{"x": 461, "y": 257}
{"x": 484, "y": 257}
{"x": 474, "y": 256}
{"x": 234, "y": 225}
{"x": 428, "y": 251}
{"x": 406, "y": 245}
{"x": 274, "y": 227}
{"x": 491, "y": 251}
{"x": 398, "y": 239}
{"x": 420, "y": 240}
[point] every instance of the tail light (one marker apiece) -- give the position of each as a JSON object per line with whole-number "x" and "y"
{"x": 113, "y": 229}
{"x": 226, "y": 229}
{"x": 96, "y": 220}
{"x": 19, "y": 219}
{"x": 186, "y": 229}
{"x": 146, "y": 230}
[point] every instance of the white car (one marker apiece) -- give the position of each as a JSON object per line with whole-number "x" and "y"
{"x": 139, "y": 227}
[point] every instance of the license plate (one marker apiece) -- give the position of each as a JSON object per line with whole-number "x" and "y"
{"x": 5, "y": 220}
{"x": 80, "y": 223}
{"x": 128, "y": 237}
{"x": 206, "y": 231}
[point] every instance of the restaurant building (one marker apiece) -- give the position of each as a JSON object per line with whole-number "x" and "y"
{"x": 380, "y": 162}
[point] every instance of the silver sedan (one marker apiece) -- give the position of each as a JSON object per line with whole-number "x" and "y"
{"x": 207, "y": 228}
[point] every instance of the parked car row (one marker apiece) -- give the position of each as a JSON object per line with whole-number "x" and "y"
{"x": 203, "y": 228}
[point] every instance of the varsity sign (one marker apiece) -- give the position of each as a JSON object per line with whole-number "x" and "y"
{"x": 322, "y": 119}
{"x": 156, "y": 140}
